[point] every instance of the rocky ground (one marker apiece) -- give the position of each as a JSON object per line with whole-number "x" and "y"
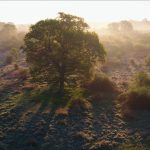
{"x": 30, "y": 125}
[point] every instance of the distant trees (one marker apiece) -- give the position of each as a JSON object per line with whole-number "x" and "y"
{"x": 123, "y": 26}
{"x": 114, "y": 27}
{"x": 126, "y": 26}
{"x": 62, "y": 51}
{"x": 10, "y": 37}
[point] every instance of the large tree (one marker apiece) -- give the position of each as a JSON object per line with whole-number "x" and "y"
{"x": 62, "y": 51}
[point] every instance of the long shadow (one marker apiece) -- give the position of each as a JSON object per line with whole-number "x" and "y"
{"x": 36, "y": 124}
{"x": 109, "y": 125}
{"x": 106, "y": 125}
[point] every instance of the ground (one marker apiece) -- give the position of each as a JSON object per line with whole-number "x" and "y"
{"x": 33, "y": 125}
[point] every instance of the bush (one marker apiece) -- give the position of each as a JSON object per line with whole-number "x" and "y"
{"x": 142, "y": 79}
{"x": 99, "y": 87}
{"x": 137, "y": 99}
{"x": 100, "y": 84}
{"x": 138, "y": 95}
{"x": 147, "y": 61}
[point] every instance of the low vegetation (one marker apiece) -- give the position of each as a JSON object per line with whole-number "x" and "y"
{"x": 62, "y": 55}
{"x": 99, "y": 88}
{"x": 147, "y": 61}
{"x": 138, "y": 96}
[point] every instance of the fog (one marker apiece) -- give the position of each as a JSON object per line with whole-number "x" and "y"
{"x": 66, "y": 86}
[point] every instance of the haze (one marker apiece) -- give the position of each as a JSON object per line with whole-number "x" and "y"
{"x": 26, "y": 12}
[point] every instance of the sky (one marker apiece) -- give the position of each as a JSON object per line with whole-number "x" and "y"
{"x": 29, "y": 12}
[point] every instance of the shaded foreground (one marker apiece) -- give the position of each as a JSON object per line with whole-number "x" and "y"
{"x": 30, "y": 125}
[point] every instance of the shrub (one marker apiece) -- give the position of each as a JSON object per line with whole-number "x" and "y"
{"x": 138, "y": 95}
{"x": 147, "y": 61}
{"x": 137, "y": 99}
{"x": 142, "y": 79}
{"x": 100, "y": 84}
{"x": 99, "y": 87}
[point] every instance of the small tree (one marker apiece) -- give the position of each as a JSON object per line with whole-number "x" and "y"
{"x": 62, "y": 51}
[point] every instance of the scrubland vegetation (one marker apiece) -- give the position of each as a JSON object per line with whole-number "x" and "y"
{"x": 63, "y": 86}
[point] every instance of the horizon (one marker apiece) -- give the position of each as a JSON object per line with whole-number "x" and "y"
{"x": 30, "y": 12}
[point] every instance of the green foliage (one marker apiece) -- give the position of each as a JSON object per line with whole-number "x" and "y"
{"x": 137, "y": 98}
{"x": 99, "y": 87}
{"x": 142, "y": 79}
{"x": 138, "y": 95}
{"x": 147, "y": 61}
{"x": 62, "y": 51}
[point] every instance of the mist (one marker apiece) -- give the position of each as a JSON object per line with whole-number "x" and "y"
{"x": 75, "y": 80}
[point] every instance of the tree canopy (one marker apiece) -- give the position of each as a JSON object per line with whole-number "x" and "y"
{"x": 62, "y": 51}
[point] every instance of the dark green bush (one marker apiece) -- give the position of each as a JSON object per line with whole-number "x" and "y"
{"x": 138, "y": 95}
{"x": 142, "y": 79}
{"x": 147, "y": 61}
{"x": 137, "y": 98}
{"x": 99, "y": 87}
{"x": 100, "y": 84}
